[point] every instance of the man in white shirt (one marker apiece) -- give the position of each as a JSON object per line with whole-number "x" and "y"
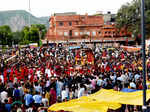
{"x": 136, "y": 77}
{"x": 38, "y": 88}
{"x": 48, "y": 72}
{"x": 63, "y": 94}
{"x": 3, "y": 96}
{"x": 99, "y": 82}
{"x": 2, "y": 78}
{"x": 81, "y": 91}
{"x": 37, "y": 99}
{"x": 44, "y": 101}
{"x": 38, "y": 72}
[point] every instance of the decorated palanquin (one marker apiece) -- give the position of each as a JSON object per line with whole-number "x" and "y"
{"x": 84, "y": 56}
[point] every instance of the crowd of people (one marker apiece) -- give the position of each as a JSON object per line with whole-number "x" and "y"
{"x": 40, "y": 77}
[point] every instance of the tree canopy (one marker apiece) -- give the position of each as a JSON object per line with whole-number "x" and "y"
{"x": 31, "y": 34}
{"x": 5, "y": 35}
{"x": 129, "y": 17}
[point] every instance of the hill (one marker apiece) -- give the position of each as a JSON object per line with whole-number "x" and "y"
{"x": 17, "y": 19}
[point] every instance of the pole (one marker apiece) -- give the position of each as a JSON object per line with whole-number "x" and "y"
{"x": 143, "y": 53}
{"x": 29, "y": 14}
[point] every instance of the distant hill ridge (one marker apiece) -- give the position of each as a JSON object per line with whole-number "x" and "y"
{"x": 17, "y": 19}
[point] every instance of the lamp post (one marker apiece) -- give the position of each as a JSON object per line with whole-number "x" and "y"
{"x": 29, "y": 14}
{"x": 144, "y": 107}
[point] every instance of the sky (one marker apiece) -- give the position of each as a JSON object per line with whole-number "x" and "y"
{"x": 41, "y": 8}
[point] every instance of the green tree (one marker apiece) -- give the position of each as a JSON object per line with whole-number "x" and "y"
{"x": 129, "y": 17}
{"x": 42, "y": 30}
{"x": 5, "y": 35}
{"x": 34, "y": 34}
{"x": 25, "y": 35}
{"x": 17, "y": 37}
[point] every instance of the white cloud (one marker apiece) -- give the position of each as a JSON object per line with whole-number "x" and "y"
{"x": 47, "y": 7}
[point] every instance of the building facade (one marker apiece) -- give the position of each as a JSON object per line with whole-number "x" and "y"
{"x": 71, "y": 26}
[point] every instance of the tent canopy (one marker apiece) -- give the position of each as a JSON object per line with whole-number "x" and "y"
{"x": 101, "y": 101}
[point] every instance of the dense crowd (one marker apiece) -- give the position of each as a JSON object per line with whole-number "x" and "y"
{"x": 40, "y": 77}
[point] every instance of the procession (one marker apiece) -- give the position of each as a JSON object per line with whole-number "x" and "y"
{"x": 40, "y": 77}
{"x": 75, "y": 56}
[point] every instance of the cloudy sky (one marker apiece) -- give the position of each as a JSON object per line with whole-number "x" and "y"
{"x": 47, "y": 7}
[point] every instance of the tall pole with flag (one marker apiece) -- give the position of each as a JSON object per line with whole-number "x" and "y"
{"x": 144, "y": 107}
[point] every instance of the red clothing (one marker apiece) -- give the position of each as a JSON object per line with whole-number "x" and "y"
{"x": 107, "y": 68}
{"x": 5, "y": 76}
{"x": 71, "y": 69}
{"x": 90, "y": 57}
{"x": 12, "y": 71}
{"x": 11, "y": 78}
{"x": 31, "y": 78}
{"x": 31, "y": 71}
{"x": 104, "y": 54}
{"x": 67, "y": 72}
{"x": 16, "y": 72}
{"x": 81, "y": 71}
{"x": 26, "y": 71}
{"x": 78, "y": 54}
{"x": 89, "y": 71}
{"x": 22, "y": 73}
{"x": 140, "y": 87}
{"x": 43, "y": 70}
{"x": 102, "y": 69}
{"x": 53, "y": 96}
{"x": 119, "y": 67}
{"x": 122, "y": 56}
{"x": 114, "y": 67}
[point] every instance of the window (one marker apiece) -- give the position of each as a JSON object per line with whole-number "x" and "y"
{"x": 94, "y": 33}
{"x": 60, "y": 33}
{"x": 76, "y": 33}
{"x": 65, "y": 33}
{"x": 70, "y": 23}
{"x": 61, "y": 23}
{"x": 81, "y": 33}
{"x": 84, "y": 32}
{"x": 82, "y": 17}
{"x": 88, "y": 33}
{"x": 70, "y": 32}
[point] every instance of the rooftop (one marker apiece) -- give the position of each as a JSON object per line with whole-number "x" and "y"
{"x": 65, "y": 14}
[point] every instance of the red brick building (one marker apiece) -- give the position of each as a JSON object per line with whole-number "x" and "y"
{"x": 74, "y": 27}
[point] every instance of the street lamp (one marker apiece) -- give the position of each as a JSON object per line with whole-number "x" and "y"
{"x": 29, "y": 14}
{"x": 144, "y": 107}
